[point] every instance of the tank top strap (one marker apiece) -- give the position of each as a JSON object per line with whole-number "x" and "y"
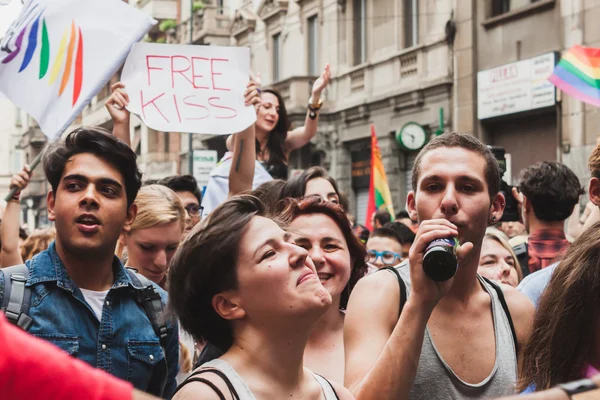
{"x": 326, "y": 386}
{"x": 235, "y": 384}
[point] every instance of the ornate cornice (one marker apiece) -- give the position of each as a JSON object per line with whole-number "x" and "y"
{"x": 269, "y": 10}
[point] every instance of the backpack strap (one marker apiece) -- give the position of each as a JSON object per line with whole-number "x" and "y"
{"x": 498, "y": 290}
{"x": 16, "y": 297}
{"x": 149, "y": 299}
{"x": 402, "y": 286}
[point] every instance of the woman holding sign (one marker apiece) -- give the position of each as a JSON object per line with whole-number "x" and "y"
{"x": 274, "y": 142}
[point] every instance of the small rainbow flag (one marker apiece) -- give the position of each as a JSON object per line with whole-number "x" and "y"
{"x": 578, "y": 74}
{"x": 379, "y": 190}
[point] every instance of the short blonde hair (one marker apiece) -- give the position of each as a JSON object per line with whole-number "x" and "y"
{"x": 157, "y": 205}
{"x": 594, "y": 162}
{"x": 500, "y": 237}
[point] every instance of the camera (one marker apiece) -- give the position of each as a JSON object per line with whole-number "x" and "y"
{"x": 511, "y": 211}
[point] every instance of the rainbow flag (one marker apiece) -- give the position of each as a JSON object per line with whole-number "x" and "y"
{"x": 578, "y": 74}
{"x": 379, "y": 190}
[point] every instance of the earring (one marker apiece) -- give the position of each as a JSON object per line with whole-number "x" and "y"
{"x": 493, "y": 219}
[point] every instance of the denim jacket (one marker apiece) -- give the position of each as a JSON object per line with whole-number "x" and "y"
{"x": 123, "y": 343}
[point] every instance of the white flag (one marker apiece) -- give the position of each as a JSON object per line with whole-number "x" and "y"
{"x": 58, "y": 54}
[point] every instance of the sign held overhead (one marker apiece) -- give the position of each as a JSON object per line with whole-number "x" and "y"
{"x": 189, "y": 88}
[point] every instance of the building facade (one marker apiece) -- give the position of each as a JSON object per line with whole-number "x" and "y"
{"x": 398, "y": 66}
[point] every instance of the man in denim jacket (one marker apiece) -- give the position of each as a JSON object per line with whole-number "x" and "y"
{"x": 82, "y": 298}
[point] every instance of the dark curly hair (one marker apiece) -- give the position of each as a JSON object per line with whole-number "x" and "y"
{"x": 552, "y": 188}
{"x": 358, "y": 254}
{"x": 101, "y": 143}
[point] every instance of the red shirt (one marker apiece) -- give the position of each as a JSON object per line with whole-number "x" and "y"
{"x": 544, "y": 246}
{"x": 31, "y": 368}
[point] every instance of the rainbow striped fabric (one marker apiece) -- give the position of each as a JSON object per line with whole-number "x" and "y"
{"x": 578, "y": 74}
{"x": 379, "y": 190}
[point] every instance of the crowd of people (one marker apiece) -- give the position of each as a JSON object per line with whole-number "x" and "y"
{"x": 268, "y": 291}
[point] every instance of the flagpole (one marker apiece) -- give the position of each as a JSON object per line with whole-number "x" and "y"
{"x": 34, "y": 164}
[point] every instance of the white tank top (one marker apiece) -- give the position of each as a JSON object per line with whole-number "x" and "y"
{"x": 243, "y": 390}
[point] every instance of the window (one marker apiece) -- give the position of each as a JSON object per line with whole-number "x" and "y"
{"x": 313, "y": 52}
{"x": 276, "y": 57}
{"x": 166, "y": 142}
{"x": 220, "y": 7}
{"x": 360, "y": 31}
{"x": 411, "y": 23}
{"x": 500, "y": 7}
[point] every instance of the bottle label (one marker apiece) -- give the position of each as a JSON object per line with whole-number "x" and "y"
{"x": 451, "y": 242}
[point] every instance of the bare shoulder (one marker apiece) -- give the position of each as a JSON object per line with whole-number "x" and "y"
{"x": 521, "y": 310}
{"x": 200, "y": 390}
{"x": 378, "y": 292}
{"x": 342, "y": 392}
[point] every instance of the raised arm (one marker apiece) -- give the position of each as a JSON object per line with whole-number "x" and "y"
{"x": 301, "y": 136}
{"x": 115, "y": 105}
{"x": 11, "y": 253}
{"x": 241, "y": 174}
{"x": 382, "y": 355}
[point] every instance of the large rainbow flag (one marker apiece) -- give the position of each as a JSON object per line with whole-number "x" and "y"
{"x": 379, "y": 190}
{"x": 578, "y": 74}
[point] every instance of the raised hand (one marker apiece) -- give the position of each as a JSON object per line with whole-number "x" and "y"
{"x": 425, "y": 290}
{"x": 21, "y": 180}
{"x": 322, "y": 82}
{"x": 117, "y": 102}
{"x": 252, "y": 95}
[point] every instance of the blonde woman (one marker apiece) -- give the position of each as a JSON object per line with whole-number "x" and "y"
{"x": 151, "y": 242}
{"x": 498, "y": 261}
{"x": 37, "y": 242}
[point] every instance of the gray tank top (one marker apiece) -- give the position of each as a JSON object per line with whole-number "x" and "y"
{"x": 244, "y": 391}
{"x": 435, "y": 380}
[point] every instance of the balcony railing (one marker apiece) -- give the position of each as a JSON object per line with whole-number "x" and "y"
{"x": 406, "y": 71}
{"x": 295, "y": 92}
{"x": 211, "y": 25}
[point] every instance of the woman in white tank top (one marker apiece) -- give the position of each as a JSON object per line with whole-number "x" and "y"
{"x": 241, "y": 283}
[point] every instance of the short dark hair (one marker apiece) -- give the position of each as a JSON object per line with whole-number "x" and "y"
{"x": 383, "y": 216}
{"x": 182, "y": 183}
{"x": 316, "y": 205}
{"x": 296, "y": 186}
{"x": 206, "y": 264}
{"x": 386, "y": 232}
{"x": 102, "y": 144}
{"x": 402, "y": 214}
{"x": 23, "y": 233}
{"x": 403, "y": 232}
{"x": 467, "y": 142}
{"x": 552, "y": 188}
{"x": 269, "y": 193}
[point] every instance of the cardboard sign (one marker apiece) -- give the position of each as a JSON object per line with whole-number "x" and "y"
{"x": 188, "y": 88}
{"x": 58, "y": 54}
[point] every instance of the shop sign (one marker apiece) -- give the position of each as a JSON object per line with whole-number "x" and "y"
{"x": 516, "y": 87}
{"x": 361, "y": 168}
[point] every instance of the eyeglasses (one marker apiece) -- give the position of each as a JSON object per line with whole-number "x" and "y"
{"x": 194, "y": 210}
{"x": 387, "y": 257}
